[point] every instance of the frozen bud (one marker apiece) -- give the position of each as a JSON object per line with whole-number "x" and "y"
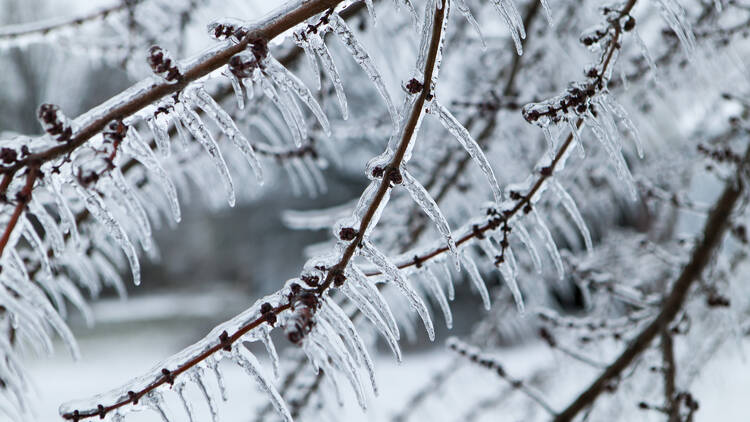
{"x": 115, "y": 132}
{"x": 243, "y": 64}
{"x": 227, "y": 28}
{"x": 163, "y": 64}
{"x": 55, "y": 122}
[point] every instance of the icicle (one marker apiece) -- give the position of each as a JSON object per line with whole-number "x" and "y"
{"x": 213, "y": 364}
{"x": 37, "y": 245}
{"x": 319, "y": 46}
{"x": 576, "y": 137}
{"x": 156, "y": 402}
{"x": 283, "y": 77}
{"x": 186, "y": 404}
{"x": 161, "y": 135}
{"x": 510, "y": 280}
{"x": 570, "y": 206}
{"x": 449, "y": 282}
{"x": 134, "y": 206}
{"x": 225, "y": 122}
{"x": 373, "y": 296}
{"x": 357, "y": 50}
{"x": 370, "y": 312}
{"x": 328, "y": 340}
{"x": 312, "y": 59}
{"x": 371, "y": 12}
{"x": 282, "y": 104}
{"x": 430, "y": 207}
{"x": 476, "y": 279}
{"x": 250, "y": 364}
{"x": 619, "y": 111}
{"x": 265, "y": 338}
{"x": 345, "y": 327}
{"x": 109, "y": 273}
{"x": 470, "y": 145}
{"x": 143, "y": 153}
{"x": 466, "y": 11}
{"x": 193, "y": 123}
{"x": 389, "y": 269}
{"x": 27, "y": 289}
{"x": 606, "y": 138}
{"x": 197, "y": 376}
{"x": 676, "y": 18}
{"x": 509, "y": 13}
{"x": 549, "y": 243}
{"x": 98, "y": 209}
{"x": 547, "y": 11}
{"x": 67, "y": 220}
{"x": 237, "y": 88}
{"x": 437, "y": 292}
{"x": 72, "y": 293}
{"x": 51, "y": 229}
{"x": 645, "y": 53}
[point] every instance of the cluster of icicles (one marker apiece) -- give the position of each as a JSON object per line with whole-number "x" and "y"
{"x": 125, "y": 206}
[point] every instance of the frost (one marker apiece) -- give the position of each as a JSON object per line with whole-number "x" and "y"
{"x": 389, "y": 269}
{"x": 196, "y": 127}
{"x": 470, "y": 145}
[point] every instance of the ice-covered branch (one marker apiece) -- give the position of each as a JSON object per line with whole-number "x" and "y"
{"x": 712, "y": 234}
{"x": 303, "y": 302}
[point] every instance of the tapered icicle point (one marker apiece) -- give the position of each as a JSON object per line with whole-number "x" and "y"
{"x": 195, "y": 125}
{"x": 229, "y": 128}
{"x": 549, "y": 243}
{"x": 570, "y": 206}
{"x": 470, "y": 145}
{"x": 430, "y": 207}
{"x": 476, "y": 279}
{"x": 388, "y": 268}
{"x": 433, "y": 284}
{"x": 98, "y": 209}
{"x": 508, "y": 11}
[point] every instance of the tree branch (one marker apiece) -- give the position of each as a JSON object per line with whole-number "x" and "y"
{"x": 713, "y": 232}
